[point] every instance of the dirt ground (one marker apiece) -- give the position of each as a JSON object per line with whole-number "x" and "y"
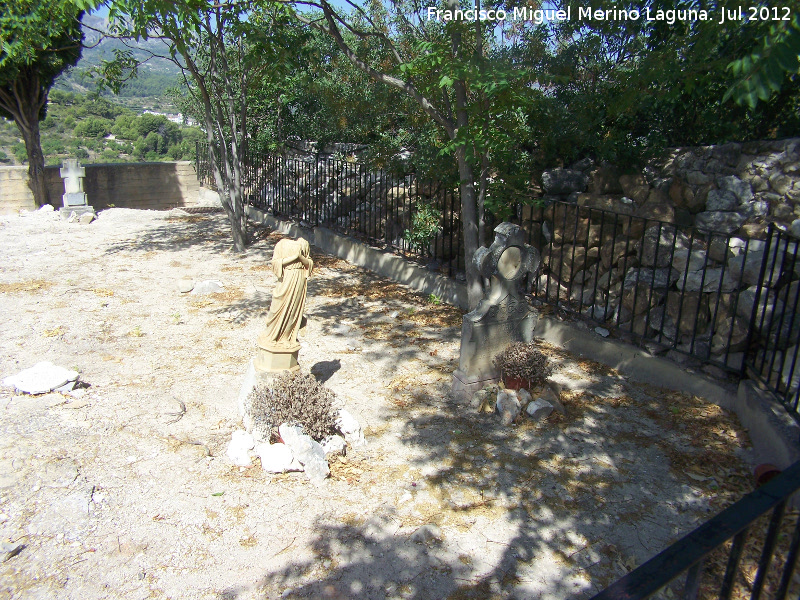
{"x": 120, "y": 493}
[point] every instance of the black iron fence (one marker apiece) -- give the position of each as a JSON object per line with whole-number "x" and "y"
{"x": 721, "y": 299}
{"x": 417, "y": 218}
{"x": 715, "y": 297}
{"x": 734, "y": 523}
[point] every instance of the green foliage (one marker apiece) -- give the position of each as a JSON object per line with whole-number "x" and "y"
{"x": 4, "y": 157}
{"x": 83, "y": 121}
{"x": 764, "y": 72}
{"x": 425, "y": 226}
{"x": 93, "y": 127}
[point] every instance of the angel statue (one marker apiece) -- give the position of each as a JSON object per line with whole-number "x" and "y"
{"x": 278, "y": 345}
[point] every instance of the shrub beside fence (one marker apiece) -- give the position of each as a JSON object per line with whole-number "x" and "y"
{"x": 721, "y": 299}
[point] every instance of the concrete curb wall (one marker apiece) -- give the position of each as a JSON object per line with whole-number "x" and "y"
{"x": 775, "y": 435}
{"x": 154, "y": 186}
{"x": 384, "y": 263}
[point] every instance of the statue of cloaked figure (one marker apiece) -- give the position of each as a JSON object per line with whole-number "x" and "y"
{"x": 277, "y": 344}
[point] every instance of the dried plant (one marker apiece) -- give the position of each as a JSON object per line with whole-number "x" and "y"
{"x": 294, "y": 398}
{"x": 525, "y": 362}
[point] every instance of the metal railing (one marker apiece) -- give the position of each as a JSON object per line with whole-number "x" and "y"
{"x": 734, "y": 523}
{"x": 773, "y": 355}
{"x": 373, "y": 205}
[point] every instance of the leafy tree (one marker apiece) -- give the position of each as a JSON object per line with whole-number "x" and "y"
{"x": 447, "y": 69}
{"x": 40, "y": 39}
{"x": 220, "y": 48}
{"x": 776, "y": 58}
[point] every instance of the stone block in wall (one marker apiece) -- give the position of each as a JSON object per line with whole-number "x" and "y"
{"x": 635, "y": 186}
{"x": 605, "y": 180}
{"x": 610, "y": 203}
{"x": 730, "y": 335}
{"x": 721, "y": 221}
{"x": 780, "y": 183}
{"x": 564, "y": 181}
{"x": 657, "y": 207}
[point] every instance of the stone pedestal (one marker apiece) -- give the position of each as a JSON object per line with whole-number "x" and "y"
{"x": 272, "y": 359}
{"x": 67, "y": 211}
{"x": 503, "y": 316}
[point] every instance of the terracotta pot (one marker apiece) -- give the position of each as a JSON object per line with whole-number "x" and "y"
{"x": 765, "y": 472}
{"x": 516, "y": 383}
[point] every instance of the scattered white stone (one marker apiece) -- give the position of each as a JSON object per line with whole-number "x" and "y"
{"x": 308, "y": 452}
{"x": 47, "y": 208}
{"x": 524, "y": 397}
{"x": 86, "y": 218}
{"x": 353, "y": 346}
{"x": 341, "y": 329}
{"x": 240, "y": 443}
{"x": 601, "y": 331}
{"x": 334, "y": 445}
{"x": 185, "y": 285}
{"x": 426, "y": 534}
{"x": 394, "y": 314}
{"x": 349, "y": 428}
{"x": 539, "y": 409}
{"x": 508, "y": 406}
{"x": 209, "y": 286}
{"x": 277, "y": 458}
{"x": 41, "y": 378}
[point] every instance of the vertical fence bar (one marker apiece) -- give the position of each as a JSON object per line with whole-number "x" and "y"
{"x": 769, "y": 549}
{"x": 734, "y": 558}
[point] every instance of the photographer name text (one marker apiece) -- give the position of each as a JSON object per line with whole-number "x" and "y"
{"x": 587, "y": 13}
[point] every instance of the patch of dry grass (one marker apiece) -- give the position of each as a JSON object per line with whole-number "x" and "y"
{"x": 30, "y": 286}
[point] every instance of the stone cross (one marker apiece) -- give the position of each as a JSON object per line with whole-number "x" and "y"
{"x": 72, "y": 174}
{"x": 503, "y": 315}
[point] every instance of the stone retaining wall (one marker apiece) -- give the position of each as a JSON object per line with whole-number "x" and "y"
{"x": 156, "y": 186}
{"x": 732, "y": 188}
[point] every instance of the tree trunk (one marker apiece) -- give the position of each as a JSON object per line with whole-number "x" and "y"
{"x": 36, "y": 178}
{"x": 24, "y": 101}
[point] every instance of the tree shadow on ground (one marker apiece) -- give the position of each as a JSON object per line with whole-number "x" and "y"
{"x": 176, "y": 233}
{"x": 558, "y": 509}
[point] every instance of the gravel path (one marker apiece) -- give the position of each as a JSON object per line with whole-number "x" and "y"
{"x": 116, "y": 494}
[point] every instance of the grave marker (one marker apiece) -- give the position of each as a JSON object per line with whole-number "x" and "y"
{"x": 503, "y": 316}
{"x": 74, "y": 198}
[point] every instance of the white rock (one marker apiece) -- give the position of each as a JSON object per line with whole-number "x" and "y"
{"x": 508, "y": 406}
{"x": 277, "y": 458}
{"x": 334, "y": 445}
{"x": 185, "y": 285}
{"x": 208, "y": 286}
{"x": 238, "y": 447}
{"x": 41, "y": 378}
{"x": 350, "y": 428}
{"x": 524, "y": 396}
{"x": 308, "y": 452}
{"x": 47, "y": 208}
{"x": 539, "y": 409}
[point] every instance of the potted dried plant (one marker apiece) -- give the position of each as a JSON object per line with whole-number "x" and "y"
{"x": 522, "y": 366}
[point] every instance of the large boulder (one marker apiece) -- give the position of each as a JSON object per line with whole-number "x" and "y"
{"x": 564, "y": 181}
{"x": 722, "y": 221}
